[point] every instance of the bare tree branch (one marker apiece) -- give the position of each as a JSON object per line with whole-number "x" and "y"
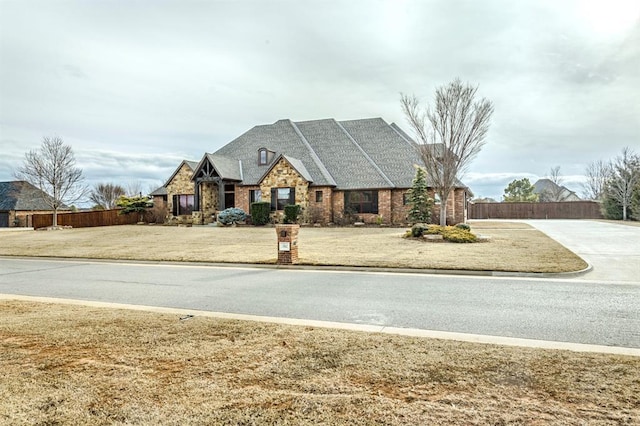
{"x": 625, "y": 175}
{"x": 597, "y": 173}
{"x": 105, "y": 195}
{"x": 450, "y": 134}
{"x": 52, "y": 170}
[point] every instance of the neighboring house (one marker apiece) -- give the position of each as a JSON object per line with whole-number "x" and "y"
{"x": 549, "y": 191}
{"x": 19, "y": 200}
{"x": 330, "y": 168}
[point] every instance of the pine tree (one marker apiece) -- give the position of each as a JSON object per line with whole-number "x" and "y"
{"x": 419, "y": 200}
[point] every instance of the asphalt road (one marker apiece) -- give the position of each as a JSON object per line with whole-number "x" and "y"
{"x": 567, "y": 310}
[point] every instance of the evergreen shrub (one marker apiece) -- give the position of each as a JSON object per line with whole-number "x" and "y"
{"x": 291, "y": 213}
{"x": 260, "y": 212}
{"x": 231, "y": 215}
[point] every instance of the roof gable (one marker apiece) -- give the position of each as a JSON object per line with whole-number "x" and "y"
{"x": 213, "y": 165}
{"x": 190, "y": 164}
{"x": 297, "y": 165}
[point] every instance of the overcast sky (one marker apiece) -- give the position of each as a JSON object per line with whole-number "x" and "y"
{"x": 136, "y": 86}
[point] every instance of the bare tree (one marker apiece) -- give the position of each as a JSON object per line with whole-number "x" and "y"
{"x": 450, "y": 134}
{"x": 625, "y": 175}
{"x": 554, "y": 192}
{"x": 105, "y": 195}
{"x": 597, "y": 173}
{"x": 52, "y": 169}
{"x": 134, "y": 189}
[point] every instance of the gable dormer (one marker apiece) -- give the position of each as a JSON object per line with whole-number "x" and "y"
{"x": 265, "y": 156}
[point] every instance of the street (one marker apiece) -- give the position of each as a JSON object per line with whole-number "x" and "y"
{"x": 567, "y": 310}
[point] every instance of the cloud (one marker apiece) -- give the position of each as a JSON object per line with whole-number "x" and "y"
{"x": 181, "y": 78}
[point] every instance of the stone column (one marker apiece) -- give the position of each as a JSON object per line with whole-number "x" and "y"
{"x": 287, "y": 244}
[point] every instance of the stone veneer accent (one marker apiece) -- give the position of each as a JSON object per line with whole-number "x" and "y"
{"x": 283, "y": 175}
{"x": 180, "y": 184}
{"x": 208, "y": 200}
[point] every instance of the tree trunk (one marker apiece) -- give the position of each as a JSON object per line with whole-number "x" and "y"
{"x": 443, "y": 211}
{"x": 55, "y": 218}
{"x": 624, "y": 211}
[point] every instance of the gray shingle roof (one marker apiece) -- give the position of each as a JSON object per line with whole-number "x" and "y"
{"x": 227, "y": 168}
{"x": 354, "y": 154}
{"x": 21, "y": 195}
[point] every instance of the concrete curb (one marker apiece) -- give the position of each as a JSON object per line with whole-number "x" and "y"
{"x": 330, "y": 268}
{"x": 411, "y": 332}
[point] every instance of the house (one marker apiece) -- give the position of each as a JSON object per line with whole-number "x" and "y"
{"x": 549, "y": 191}
{"x": 19, "y": 200}
{"x": 332, "y": 169}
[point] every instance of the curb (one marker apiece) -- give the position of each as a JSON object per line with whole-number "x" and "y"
{"x": 328, "y": 268}
{"x": 410, "y": 332}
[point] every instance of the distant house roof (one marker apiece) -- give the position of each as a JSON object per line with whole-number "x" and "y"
{"x": 21, "y": 195}
{"x": 354, "y": 154}
{"x": 546, "y": 188}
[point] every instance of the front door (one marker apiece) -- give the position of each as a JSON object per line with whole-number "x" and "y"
{"x": 229, "y": 195}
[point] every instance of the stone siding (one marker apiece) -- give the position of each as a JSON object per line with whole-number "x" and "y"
{"x": 283, "y": 175}
{"x": 208, "y": 201}
{"x": 180, "y": 184}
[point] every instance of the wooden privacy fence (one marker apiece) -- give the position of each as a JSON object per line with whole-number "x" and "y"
{"x": 86, "y": 219}
{"x": 562, "y": 210}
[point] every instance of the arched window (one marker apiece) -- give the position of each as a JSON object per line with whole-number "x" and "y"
{"x": 263, "y": 155}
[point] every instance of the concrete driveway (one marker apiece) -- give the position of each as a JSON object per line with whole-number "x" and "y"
{"x": 612, "y": 249}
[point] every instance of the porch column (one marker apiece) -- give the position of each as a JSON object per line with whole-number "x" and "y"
{"x": 221, "y": 205}
{"x": 196, "y": 195}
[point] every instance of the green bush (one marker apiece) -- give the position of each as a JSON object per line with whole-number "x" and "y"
{"x": 463, "y": 226}
{"x": 291, "y": 213}
{"x": 260, "y": 213}
{"x": 231, "y": 215}
{"x": 458, "y": 235}
{"x": 418, "y": 229}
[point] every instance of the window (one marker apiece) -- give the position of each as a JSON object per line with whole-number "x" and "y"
{"x": 318, "y": 196}
{"x": 281, "y": 197}
{"x": 361, "y": 201}
{"x": 229, "y": 195}
{"x": 262, "y": 156}
{"x": 255, "y": 196}
{"x": 182, "y": 204}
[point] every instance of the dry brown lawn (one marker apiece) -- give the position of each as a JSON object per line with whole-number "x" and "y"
{"x": 63, "y": 364}
{"x": 512, "y": 247}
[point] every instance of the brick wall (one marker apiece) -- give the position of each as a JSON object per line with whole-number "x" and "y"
{"x": 398, "y": 210}
{"x": 320, "y": 211}
{"x": 455, "y": 207}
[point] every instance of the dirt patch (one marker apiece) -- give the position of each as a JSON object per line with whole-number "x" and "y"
{"x": 512, "y": 247}
{"x": 77, "y": 365}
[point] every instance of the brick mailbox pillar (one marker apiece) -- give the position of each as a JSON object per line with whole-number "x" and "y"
{"x": 287, "y": 244}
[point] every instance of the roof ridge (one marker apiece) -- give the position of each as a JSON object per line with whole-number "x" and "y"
{"x": 369, "y": 159}
{"x": 402, "y": 134}
{"x": 313, "y": 154}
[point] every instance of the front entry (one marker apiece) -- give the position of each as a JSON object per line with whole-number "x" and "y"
{"x": 229, "y": 195}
